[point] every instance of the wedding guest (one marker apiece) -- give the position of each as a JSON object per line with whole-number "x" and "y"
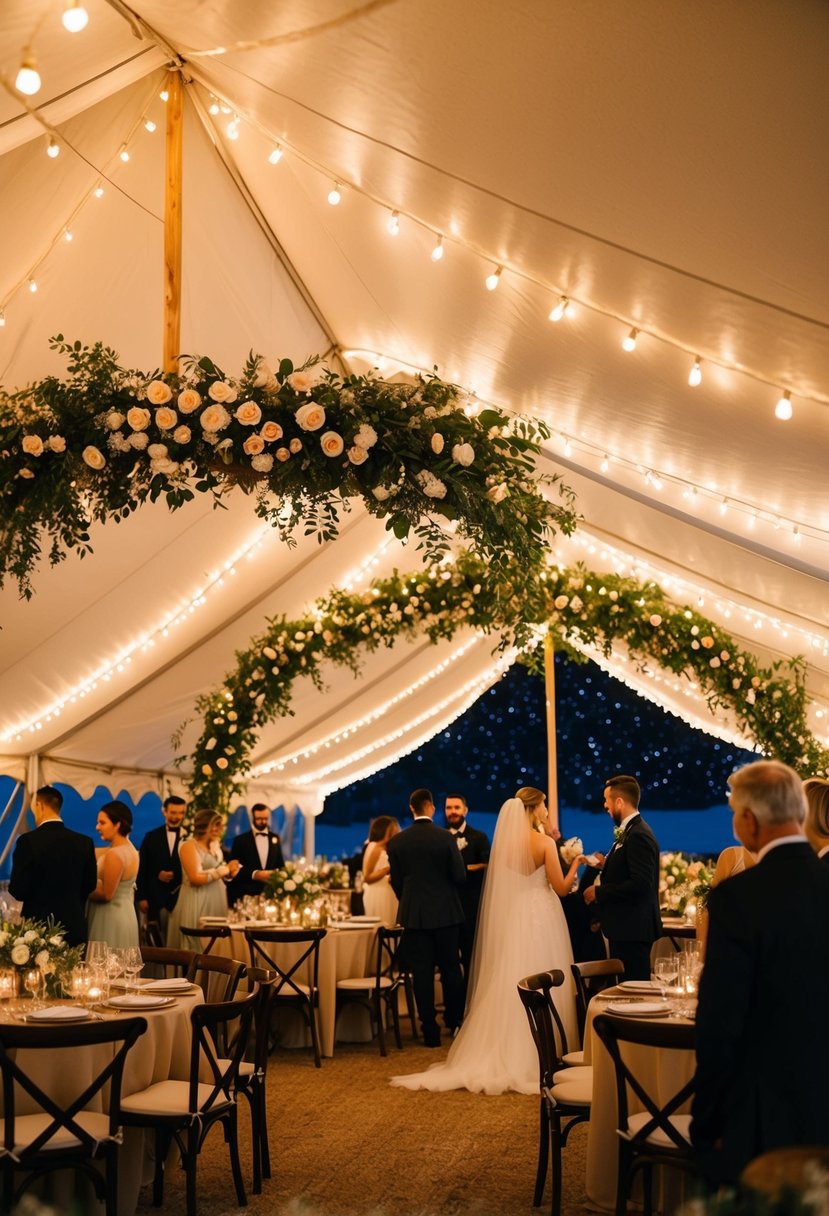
{"x": 426, "y": 871}
{"x": 766, "y": 980}
{"x": 203, "y": 892}
{"x": 582, "y": 921}
{"x": 378, "y": 897}
{"x": 627, "y": 893}
{"x": 817, "y": 816}
{"x": 474, "y": 849}
{"x": 111, "y": 911}
{"x": 159, "y": 867}
{"x": 53, "y": 868}
{"x": 259, "y": 853}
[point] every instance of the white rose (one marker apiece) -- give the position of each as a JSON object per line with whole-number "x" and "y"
{"x": 381, "y": 493}
{"x": 302, "y": 382}
{"x": 19, "y": 954}
{"x": 57, "y": 940}
{"x": 366, "y": 437}
{"x": 32, "y": 445}
{"x": 357, "y": 455}
{"x": 264, "y": 377}
{"x": 167, "y": 467}
{"x": 332, "y": 443}
{"x": 310, "y": 417}
{"x": 656, "y": 620}
{"x": 271, "y": 431}
{"x": 157, "y": 451}
{"x": 437, "y": 443}
{"x": 93, "y": 457}
{"x": 181, "y": 434}
{"x": 138, "y": 418}
{"x": 463, "y": 453}
{"x": 42, "y": 958}
{"x": 56, "y": 443}
{"x": 222, "y": 392}
{"x": 497, "y": 493}
{"x": 262, "y": 464}
{"x": 114, "y": 420}
{"x": 253, "y": 445}
{"x": 248, "y": 413}
{"x": 165, "y": 419}
{"x": 215, "y": 417}
{"x": 189, "y": 400}
{"x": 576, "y": 603}
{"x": 289, "y": 884}
{"x": 158, "y": 393}
{"x": 138, "y": 440}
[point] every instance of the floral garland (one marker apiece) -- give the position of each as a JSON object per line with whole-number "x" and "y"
{"x": 769, "y": 703}
{"x": 303, "y": 442}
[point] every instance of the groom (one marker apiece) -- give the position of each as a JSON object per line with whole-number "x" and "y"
{"x": 426, "y": 870}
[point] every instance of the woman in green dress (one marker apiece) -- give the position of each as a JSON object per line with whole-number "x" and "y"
{"x": 111, "y": 915}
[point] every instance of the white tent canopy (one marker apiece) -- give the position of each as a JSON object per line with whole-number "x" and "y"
{"x": 661, "y": 167}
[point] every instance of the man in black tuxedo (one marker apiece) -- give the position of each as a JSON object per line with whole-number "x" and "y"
{"x": 627, "y": 894}
{"x": 474, "y": 849}
{"x": 259, "y": 853}
{"x": 53, "y": 869}
{"x": 426, "y": 871}
{"x": 159, "y": 868}
{"x": 762, "y": 1049}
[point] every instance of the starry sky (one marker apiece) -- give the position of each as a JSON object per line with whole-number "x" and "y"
{"x": 500, "y": 744}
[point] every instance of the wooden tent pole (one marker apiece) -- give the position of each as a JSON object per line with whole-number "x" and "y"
{"x": 172, "y": 224}
{"x": 550, "y": 694}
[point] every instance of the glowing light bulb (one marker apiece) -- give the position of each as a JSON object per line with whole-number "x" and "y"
{"x": 561, "y": 309}
{"x": 233, "y": 128}
{"x": 724, "y": 506}
{"x": 32, "y": 285}
{"x": 68, "y": 235}
{"x": 53, "y": 147}
{"x": 568, "y": 448}
{"x": 334, "y": 196}
{"x": 75, "y": 17}
{"x": 124, "y": 155}
{"x": 629, "y": 343}
{"x": 275, "y": 156}
{"x": 394, "y": 223}
{"x": 492, "y": 280}
{"x": 98, "y": 192}
{"x": 605, "y": 465}
{"x": 783, "y": 409}
{"x": 437, "y": 252}
{"x": 164, "y": 95}
{"x": 2, "y": 319}
{"x": 214, "y": 108}
{"x": 28, "y": 80}
{"x": 149, "y": 125}
{"x": 695, "y": 374}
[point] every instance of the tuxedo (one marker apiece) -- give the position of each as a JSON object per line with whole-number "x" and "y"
{"x": 245, "y": 850}
{"x": 426, "y": 871}
{"x": 473, "y": 847}
{"x": 627, "y": 898}
{"x": 582, "y": 919}
{"x": 762, "y": 1050}
{"x": 153, "y": 856}
{"x": 53, "y": 873}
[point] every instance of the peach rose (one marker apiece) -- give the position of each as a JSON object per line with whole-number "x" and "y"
{"x": 189, "y": 400}
{"x": 283, "y": 454}
{"x": 302, "y": 382}
{"x": 253, "y": 445}
{"x": 32, "y": 445}
{"x": 222, "y": 392}
{"x": 158, "y": 393}
{"x": 182, "y": 434}
{"x": 332, "y": 443}
{"x": 271, "y": 431}
{"x": 56, "y": 443}
{"x": 248, "y": 413}
{"x": 94, "y": 458}
{"x": 357, "y": 455}
{"x": 165, "y": 419}
{"x": 214, "y": 418}
{"x": 437, "y": 443}
{"x": 295, "y": 445}
{"x": 138, "y": 418}
{"x": 310, "y": 417}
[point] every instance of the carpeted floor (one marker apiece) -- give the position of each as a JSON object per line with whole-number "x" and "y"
{"x": 344, "y": 1143}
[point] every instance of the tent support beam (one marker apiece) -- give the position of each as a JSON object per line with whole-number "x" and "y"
{"x": 172, "y": 223}
{"x": 550, "y": 702}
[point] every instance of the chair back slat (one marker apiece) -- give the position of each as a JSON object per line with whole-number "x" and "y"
{"x": 286, "y": 984}
{"x": 210, "y": 1025}
{"x": 590, "y": 978}
{"x": 218, "y": 977}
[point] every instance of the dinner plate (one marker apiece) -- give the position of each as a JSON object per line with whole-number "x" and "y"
{"x": 205, "y": 921}
{"x": 137, "y": 1000}
{"x": 59, "y": 1013}
{"x": 640, "y": 1009}
{"x": 353, "y": 924}
{"x": 168, "y": 987}
{"x": 366, "y": 920}
{"x": 639, "y": 986}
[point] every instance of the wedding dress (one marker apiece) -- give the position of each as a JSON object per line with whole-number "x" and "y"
{"x": 378, "y": 897}
{"x": 521, "y": 930}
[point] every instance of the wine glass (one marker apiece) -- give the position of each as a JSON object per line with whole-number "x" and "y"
{"x": 665, "y": 974}
{"x": 133, "y": 962}
{"x": 33, "y": 983}
{"x": 96, "y": 953}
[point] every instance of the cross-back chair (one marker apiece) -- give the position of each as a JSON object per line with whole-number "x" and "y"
{"x": 206, "y": 936}
{"x": 288, "y": 989}
{"x": 380, "y": 991}
{"x": 591, "y": 978}
{"x": 167, "y": 961}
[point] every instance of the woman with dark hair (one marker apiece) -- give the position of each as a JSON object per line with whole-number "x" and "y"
{"x": 378, "y": 897}
{"x": 111, "y": 914}
{"x": 203, "y": 869}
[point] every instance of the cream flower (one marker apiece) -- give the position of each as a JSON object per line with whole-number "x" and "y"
{"x": 248, "y": 413}
{"x": 264, "y": 377}
{"x": 182, "y": 434}
{"x": 56, "y": 443}
{"x": 295, "y": 446}
{"x": 302, "y": 382}
{"x": 271, "y": 431}
{"x": 332, "y": 444}
{"x": 215, "y": 417}
{"x": 222, "y": 392}
{"x": 165, "y": 419}
{"x": 432, "y": 486}
{"x": 262, "y": 464}
{"x": 32, "y": 445}
{"x": 283, "y": 454}
{"x": 437, "y": 443}
{"x": 157, "y": 451}
{"x": 497, "y": 493}
{"x": 114, "y": 420}
{"x": 165, "y": 466}
{"x": 138, "y": 418}
{"x": 381, "y": 493}
{"x": 310, "y": 417}
{"x": 561, "y": 601}
{"x": 463, "y": 453}
{"x": 656, "y": 620}
{"x": 357, "y": 455}
{"x": 189, "y": 400}
{"x": 137, "y": 440}
{"x": 366, "y": 436}
{"x": 20, "y": 954}
{"x": 93, "y": 457}
{"x": 158, "y": 393}
{"x": 253, "y": 445}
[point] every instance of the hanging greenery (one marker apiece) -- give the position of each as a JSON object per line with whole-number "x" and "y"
{"x": 301, "y": 441}
{"x": 768, "y": 704}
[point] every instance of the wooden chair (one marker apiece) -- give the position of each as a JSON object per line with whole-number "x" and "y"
{"x": 217, "y": 976}
{"x": 592, "y": 978}
{"x": 656, "y": 1135}
{"x": 207, "y": 936}
{"x": 63, "y": 1135}
{"x": 380, "y": 991}
{"x": 167, "y": 961}
{"x": 185, "y": 1111}
{"x": 288, "y": 990}
{"x": 152, "y": 934}
{"x": 253, "y": 1074}
{"x": 567, "y": 1100}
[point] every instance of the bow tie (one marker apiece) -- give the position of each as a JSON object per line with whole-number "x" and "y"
{"x": 457, "y": 831}
{"x": 261, "y": 833}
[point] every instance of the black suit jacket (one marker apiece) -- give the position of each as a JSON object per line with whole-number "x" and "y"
{"x": 475, "y": 851}
{"x": 426, "y": 870}
{"x": 762, "y": 1047}
{"x": 628, "y": 895}
{"x": 53, "y": 872}
{"x": 154, "y": 856}
{"x": 244, "y": 850}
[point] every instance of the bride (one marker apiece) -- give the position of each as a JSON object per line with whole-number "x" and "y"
{"x": 521, "y": 930}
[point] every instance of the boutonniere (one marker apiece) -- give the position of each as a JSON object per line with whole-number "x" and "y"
{"x": 618, "y": 835}
{"x": 461, "y": 842}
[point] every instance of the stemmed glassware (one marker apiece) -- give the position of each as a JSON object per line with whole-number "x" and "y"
{"x": 133, "y": 962}
{"x": 33, "y": 983}
{"x": 666, "y": 974}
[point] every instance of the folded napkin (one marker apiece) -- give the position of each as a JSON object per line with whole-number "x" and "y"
{"x": 136, "y": 1000}
{"x": 57, "y": 1013}
{"x": 173, "y": 984}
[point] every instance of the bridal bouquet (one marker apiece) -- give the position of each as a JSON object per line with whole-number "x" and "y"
{"x": 297, "y": 882}
{"x": 571, "y": 849}
{"x": 35, "y": 943}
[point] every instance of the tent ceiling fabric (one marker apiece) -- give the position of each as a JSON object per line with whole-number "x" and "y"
{"x": 661, "y": 166}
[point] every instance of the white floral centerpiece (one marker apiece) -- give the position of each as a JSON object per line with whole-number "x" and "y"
{"x": 681, "y": 879}
{"x": 295, "y": 881}
{"x": 35, "y": 943}
{"x": 334, "y": 874}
